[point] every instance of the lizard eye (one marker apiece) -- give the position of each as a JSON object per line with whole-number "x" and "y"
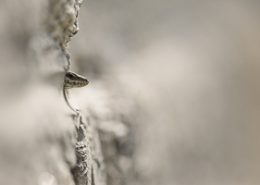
{"x": 69, "y": 75}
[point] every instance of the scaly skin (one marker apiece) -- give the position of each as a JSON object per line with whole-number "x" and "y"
{"x": 72, "y": 80}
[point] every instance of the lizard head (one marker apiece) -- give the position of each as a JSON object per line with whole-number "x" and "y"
{"x": 73, "y": 80}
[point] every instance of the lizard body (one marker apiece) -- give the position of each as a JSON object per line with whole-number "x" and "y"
{"x": 72, "y": 80}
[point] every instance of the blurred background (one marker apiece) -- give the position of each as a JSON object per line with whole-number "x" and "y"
{"x": 193, "y": 68}
{"x": 183, "y": 75}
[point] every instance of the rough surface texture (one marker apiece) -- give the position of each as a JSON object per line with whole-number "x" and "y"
{"x": 42, "y": 141}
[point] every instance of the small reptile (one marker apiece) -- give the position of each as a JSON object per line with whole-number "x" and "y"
{"x": 72, "y": 80}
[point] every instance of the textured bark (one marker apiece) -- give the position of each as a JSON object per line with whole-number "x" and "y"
{"x": 41, "y": 140}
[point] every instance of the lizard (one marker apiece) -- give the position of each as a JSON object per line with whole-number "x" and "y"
{"x": 84, "y": 151}
{"x": 72, "y": 80}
